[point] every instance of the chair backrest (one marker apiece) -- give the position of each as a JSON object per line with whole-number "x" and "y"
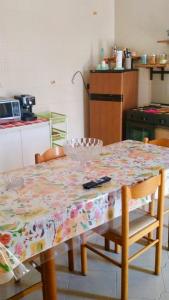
{"x": 159, "y": 142}
{"x": 140, "y": 190}
{"x": 51, "y": 153}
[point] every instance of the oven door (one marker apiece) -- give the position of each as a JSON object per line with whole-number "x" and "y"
{"x": 138, "y": 131}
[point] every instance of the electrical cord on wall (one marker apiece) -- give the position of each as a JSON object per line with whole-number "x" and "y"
{"x": 84, "y": 83}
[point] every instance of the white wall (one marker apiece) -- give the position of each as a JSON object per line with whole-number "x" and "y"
{"x": 42, "y": 44}
{"x": 138, "y": 25}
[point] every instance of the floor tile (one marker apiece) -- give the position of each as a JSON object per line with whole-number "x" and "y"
{"x": 165, "y": 276}
{"x": 96, "y": 285}
{"x": 142, "y": 285}
{"x": 12, "y": 287}
{"x": 164, "y": 296}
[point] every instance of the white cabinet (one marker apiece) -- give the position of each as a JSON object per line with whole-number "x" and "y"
{"x": 35, "y": 139}
{"x": 18, "y": 145}
{"x": 10, "y": 150}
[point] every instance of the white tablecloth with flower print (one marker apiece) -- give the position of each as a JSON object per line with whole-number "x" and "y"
{"x": 52, "y": 206}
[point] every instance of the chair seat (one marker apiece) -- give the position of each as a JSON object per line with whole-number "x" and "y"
{"x": 139, "y": 220}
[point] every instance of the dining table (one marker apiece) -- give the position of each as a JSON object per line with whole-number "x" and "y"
{"x": 50, "y": 205}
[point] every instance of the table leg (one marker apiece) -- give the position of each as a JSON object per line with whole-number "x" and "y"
{"x": 48, "y": 271}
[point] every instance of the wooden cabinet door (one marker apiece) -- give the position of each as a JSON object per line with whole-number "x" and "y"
{"x": 35, "y": 139}
{"x": 106, "y": 83}
{"x": 10, "y": 150}
{"x": 106, "y": 121}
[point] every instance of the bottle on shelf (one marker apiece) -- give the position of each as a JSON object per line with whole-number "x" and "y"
{"x": 144, "y": 59}
{"x": 103, "y": 63}
{"x": 128, "y": 59}
{"x": 119, "y": 60}
{"x": 114, "y": 52}
{"x": 101, "y": 54}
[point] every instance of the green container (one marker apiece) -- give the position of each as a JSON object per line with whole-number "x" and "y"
{"x": 58, "y": 135}
{"x": 52, "y": 117}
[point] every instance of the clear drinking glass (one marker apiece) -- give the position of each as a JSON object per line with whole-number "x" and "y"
{"x": 8, "y": 182}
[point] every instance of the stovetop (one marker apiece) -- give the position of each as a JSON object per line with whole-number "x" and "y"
{"x": 153, "y": 109}
{"x": 154, "y": 114}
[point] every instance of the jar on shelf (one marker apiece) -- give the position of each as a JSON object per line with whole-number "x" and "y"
{"x": 163, "y": 58}
{"x": 152, "y": 59}
{"x": 144, "y": 59}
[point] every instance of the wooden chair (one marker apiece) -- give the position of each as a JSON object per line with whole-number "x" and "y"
{"x": 132, "y": 227}
{"x": 55, "y": 153}
{"x": 159, "y": 142}
{"x": 163, "y": 143}
{"x": 52, "y": 153}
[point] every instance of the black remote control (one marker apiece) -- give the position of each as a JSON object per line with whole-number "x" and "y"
{"x": 93, "y": 184}
{"x": 89, "y": 185}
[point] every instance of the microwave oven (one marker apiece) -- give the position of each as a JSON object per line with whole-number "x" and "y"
{"x": 9, "y": 110}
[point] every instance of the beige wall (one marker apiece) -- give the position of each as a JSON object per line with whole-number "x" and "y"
{"x": 42, "y": 44}
{"x": 138, "y": 25}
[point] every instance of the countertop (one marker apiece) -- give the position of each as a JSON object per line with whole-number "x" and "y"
{"x": 16, "y": 124}
{"x": 113, "y": 71}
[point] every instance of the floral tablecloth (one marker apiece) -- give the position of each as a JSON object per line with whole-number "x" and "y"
{"x": 52, "y": 206}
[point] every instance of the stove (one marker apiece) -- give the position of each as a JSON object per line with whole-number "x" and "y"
{"x": 143, "y": 121}
{"x": 152, "y": 114}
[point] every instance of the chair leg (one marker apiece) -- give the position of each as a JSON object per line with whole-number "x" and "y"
{"x": 71, "y": 255}
{"x": 124, "y": 273}
{"x": 83, "y": 256}
{"x": 117, "y": 248}
{"x": 107, "y": 244}
{"x": 158, "y": 251}
{"x": 168, "y": 232}
{"x": 151, "y": 211}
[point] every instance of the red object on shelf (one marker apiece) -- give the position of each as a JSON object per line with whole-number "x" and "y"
{"x": 151, "y": 111}
{"x": 21, "y": 123}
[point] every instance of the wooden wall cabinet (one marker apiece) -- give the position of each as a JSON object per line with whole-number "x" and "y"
{"x": 111, "y": 94}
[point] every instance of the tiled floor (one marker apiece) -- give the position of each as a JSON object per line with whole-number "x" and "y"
{"x": 103, "y": 279}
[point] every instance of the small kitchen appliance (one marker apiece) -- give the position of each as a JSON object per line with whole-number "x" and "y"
{"x": 26, "y": 103}
{"x": 9, "y": 110}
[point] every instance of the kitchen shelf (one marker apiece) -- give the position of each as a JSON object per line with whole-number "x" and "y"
{"x": 113, "y": 59}
{"x": 58, "y": 127}
{"x": 153, "y": 67}
{"x": 163, "y": 41}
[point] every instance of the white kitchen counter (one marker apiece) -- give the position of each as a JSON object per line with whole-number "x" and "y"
{"x": 19, "y": 141}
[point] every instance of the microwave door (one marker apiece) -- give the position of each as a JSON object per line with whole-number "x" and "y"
{"x": 6, "y": 110}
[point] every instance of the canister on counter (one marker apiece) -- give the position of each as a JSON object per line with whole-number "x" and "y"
{"x": 163, "y": 58}
{"x": 152, "y": 59}
{"x": 144, "y": 59}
